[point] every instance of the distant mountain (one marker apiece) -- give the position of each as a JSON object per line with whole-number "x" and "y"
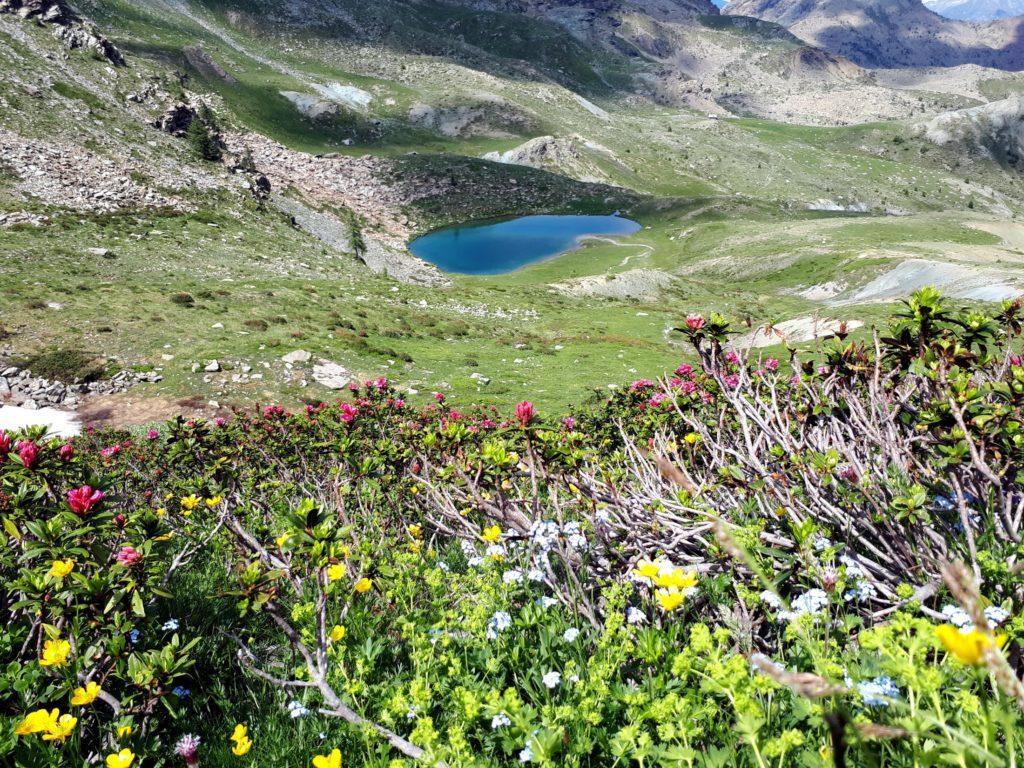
{"x": 977, "y": 10}
{"x": 893, "y": 33}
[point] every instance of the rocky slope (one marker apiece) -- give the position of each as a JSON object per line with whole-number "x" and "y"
{"x": 995, "y": 130}
{"x": 893, "y": 33}
{"x": 976, "y": 10}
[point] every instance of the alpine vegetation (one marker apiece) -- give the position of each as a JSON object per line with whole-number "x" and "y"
{"x": 750, "y": 561}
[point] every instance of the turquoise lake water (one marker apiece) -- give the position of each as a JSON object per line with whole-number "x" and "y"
{"x": 493, "y": 248}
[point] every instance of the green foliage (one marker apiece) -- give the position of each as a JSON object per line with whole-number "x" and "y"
{"x": 66, "y": 365}
{"x": 493, "y": 590}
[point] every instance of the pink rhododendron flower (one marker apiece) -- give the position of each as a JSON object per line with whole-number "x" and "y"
{"x": 152, "y": 434}
{"x": 348, "y": 412}
{"x": 66, "y": 452}
{"x": 684, "y": 370}
{"x": 488, "y": 424}
{"x": 689, "y": 387}
{"x": 129, "y": 557}
{"x": 695, "y": 322}
{"x": 5, "y": 445}
{"x": 220, "y": 421}
{"x": 771, "y": 364}
{"x": 641, "y": 384}
{"x": 733, "y": 357}
{"x": 732, "y": 381}
{"x": 525, "y": 413}
{"x": 82, "y": 500}
{"x": 569, "y": 422}
{"x": 657, "y": 400}
{"x": 28, "y": 452}
{"x": 439, "y": 397}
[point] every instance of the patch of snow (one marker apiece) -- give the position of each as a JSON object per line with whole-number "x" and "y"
{"x": 591, "y": 107}
{"x": 348, "y": 95}
{"x": 955, "y": 280}
{"x": 797, "y": 330}
{"x": 58, "y": 423}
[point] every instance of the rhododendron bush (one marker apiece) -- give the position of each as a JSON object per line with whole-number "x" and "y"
{"x": 751, "y": 561}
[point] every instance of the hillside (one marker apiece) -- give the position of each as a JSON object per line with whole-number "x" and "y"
{"x": 893, "y": 33}
{"x": 976, "y": 10}
{"x": 244, "y": 294}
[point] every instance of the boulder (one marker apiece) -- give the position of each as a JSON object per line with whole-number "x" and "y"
{"x": 298, "y": 356}
{"x": 331, "y": 375}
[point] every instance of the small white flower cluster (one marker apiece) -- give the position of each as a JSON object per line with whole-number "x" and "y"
{"x": 296, "y": 709}
{"x": 878, "y": 692}
{"x": 546, "y": 602}
{"x": 500, "y": 720}
{"x": 861, "y": 589}
{"x": 171, "y": 625}
{"x": 498, "y": 623}
{"x": 552, "y": 679}
{"x": 959, "y": 618}
{"x": 635, "y": 616}
{"x": 574, "y": 535}
{"x": 544, "y": 534}
{"x": 570, "y": 635}
{"x": 512, "y": 576}
{"x": 810, "y": 603}
{"x": 472, "y": 557}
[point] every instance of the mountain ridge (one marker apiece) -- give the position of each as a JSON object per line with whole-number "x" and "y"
{"x": 896, "y": 34}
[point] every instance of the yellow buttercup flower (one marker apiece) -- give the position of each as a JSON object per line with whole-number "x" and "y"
{"x": 282, "y": 539}
{"x": 676, "y": 578}
{"x": 415, "y": 546}
{"x": 647, "y": 569}
{"x": 214, "y": 501}
{"x": 83, "y": 697}
{"x": 337, "y": 571}
{"x": 416, "y": 531}
{"x": 61, "y": 568}
{"x": 691, "y": 438}
{"x": 332, "y": 760}
{"x": 337, "y": 633}
{"x": 61, "y": 729}
{"x": 188, "y": 503}
{"x": 161, "y": 512}
{"x": 968, "y": 647}
{"x": 364, "y": 585}
{"x": 124, "y": 731}
{"x": 122, "y": 759}
{"x": 39, "y": 721}
{"x": 491, "y": 534}
{"x": 55, "y": 653}
{"x": 242, "y": 741}
{"x": 669, "y": 599}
